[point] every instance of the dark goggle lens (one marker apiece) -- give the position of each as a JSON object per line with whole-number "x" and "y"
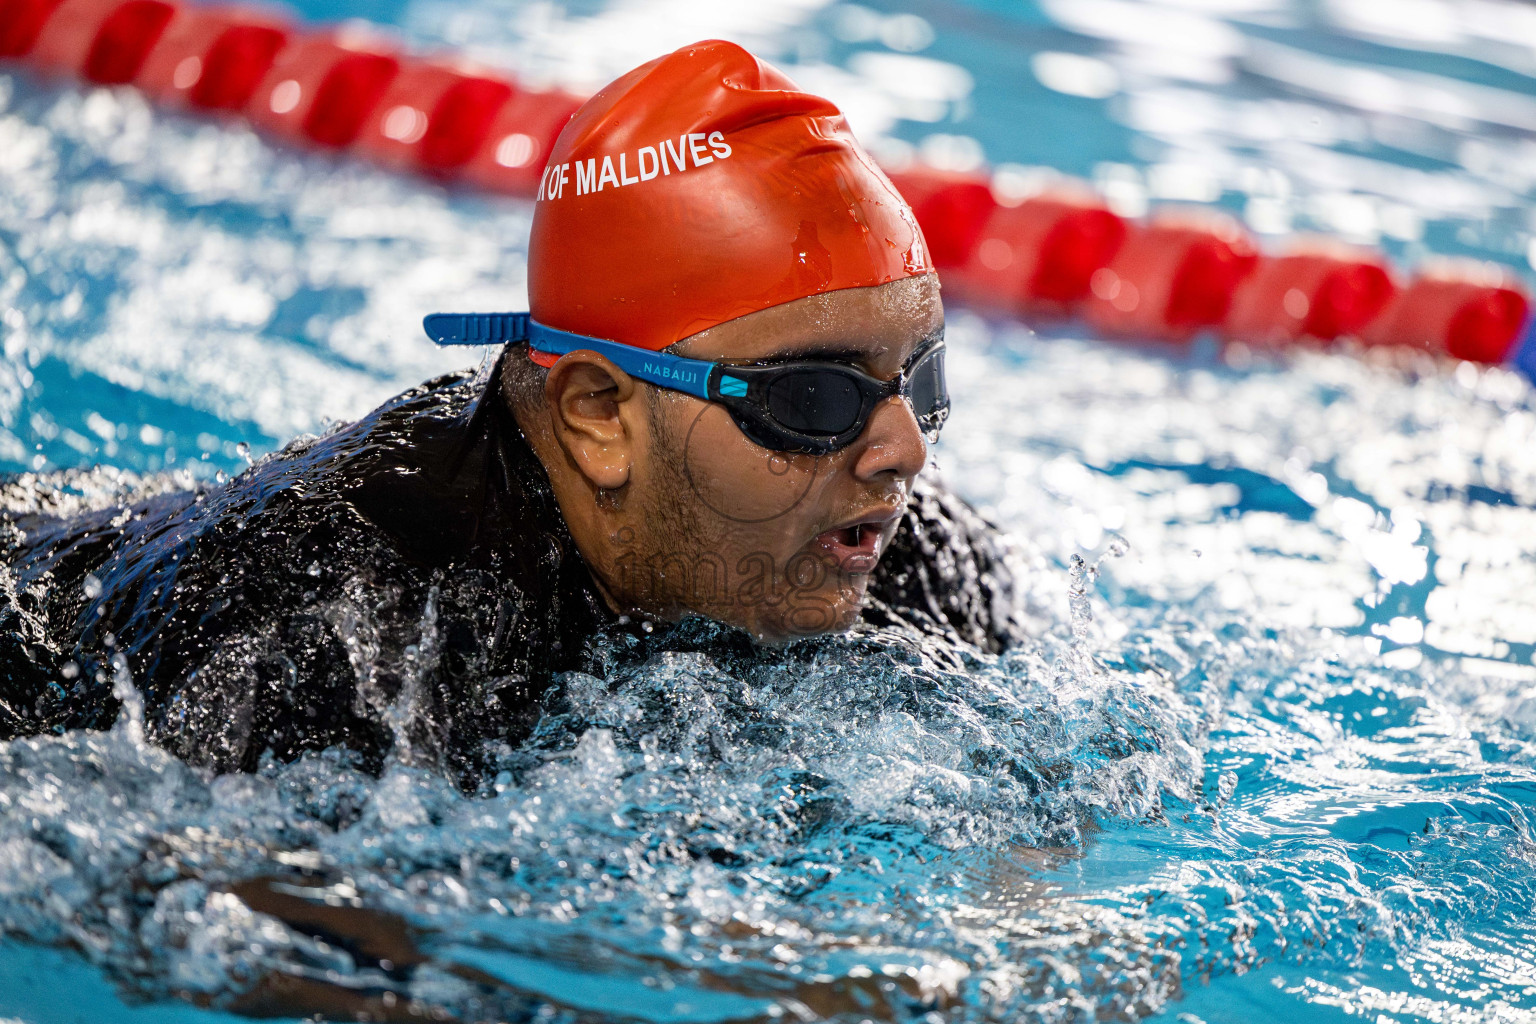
{"x": 830, "y": 403}
{"x": 816, "y": 402}
{"x": 930, "y": 393}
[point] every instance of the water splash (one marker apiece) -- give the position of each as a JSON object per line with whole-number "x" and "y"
{"x": 1081, "y": 578}
{"x": 799, "y": 830}
{"x": 130, "y": 720}
{"x": 405, "y": 713}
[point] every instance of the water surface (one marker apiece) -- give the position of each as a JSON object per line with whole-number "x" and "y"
{"x": 1275, "y": 761}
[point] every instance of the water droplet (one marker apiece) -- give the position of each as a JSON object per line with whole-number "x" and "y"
{"x": 221, "y": 477}
{"x": 91, "y": 587}
{"x": 1077, "y": 596}
{"x": 244, "y": 451}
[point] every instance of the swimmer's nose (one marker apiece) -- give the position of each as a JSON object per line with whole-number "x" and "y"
{"x": 892, "y": 443}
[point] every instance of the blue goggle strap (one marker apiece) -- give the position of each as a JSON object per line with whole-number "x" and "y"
{"x": 691, "y": 376}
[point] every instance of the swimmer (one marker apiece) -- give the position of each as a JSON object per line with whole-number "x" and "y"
{"x": 717, "y": 407}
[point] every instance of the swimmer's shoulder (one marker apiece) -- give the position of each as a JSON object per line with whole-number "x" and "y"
{"x": 395, "y": 454}
{"x": 170, "y": 533}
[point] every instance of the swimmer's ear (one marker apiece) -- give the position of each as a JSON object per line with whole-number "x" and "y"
{"x": 592, "y": 409}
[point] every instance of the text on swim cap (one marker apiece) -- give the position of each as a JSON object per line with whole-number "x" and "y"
{"x": 650, "y": 161}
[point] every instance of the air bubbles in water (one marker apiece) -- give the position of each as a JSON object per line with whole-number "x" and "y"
{"x": 91, "y": 587}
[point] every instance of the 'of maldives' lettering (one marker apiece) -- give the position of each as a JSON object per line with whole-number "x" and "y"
{"x": 552, "y": 184}
{"x": 651, "y": 161}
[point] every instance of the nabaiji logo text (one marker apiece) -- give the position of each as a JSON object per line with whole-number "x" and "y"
{"x": 693, "y": 149}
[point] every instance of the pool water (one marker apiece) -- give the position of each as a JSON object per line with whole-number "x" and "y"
{"x": 1271, "y": 756}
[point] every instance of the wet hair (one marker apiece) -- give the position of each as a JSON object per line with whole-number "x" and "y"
{"x": 522, "y": 379}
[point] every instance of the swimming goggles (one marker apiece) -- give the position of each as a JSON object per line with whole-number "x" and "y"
{"x": 811, "y": 406}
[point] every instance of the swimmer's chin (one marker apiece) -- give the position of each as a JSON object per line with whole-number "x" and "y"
{"x": 778, "y": 636}
{"x": 769, "y": 619}
{"x": 776, "y": 627}
{"x": 812, "y": 617}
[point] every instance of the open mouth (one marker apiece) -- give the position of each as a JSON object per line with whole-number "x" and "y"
{"x": 856, "y": 547}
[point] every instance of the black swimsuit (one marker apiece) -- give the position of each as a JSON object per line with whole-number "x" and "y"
{"x": 404, "y": 584}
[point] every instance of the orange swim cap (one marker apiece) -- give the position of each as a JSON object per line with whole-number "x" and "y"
{"x": 703, "y": 186}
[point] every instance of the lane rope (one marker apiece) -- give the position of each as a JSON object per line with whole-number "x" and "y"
{"x": 1058, "y": 256}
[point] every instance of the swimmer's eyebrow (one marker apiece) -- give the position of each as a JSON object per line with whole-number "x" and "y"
{"x": 836, "y": 354}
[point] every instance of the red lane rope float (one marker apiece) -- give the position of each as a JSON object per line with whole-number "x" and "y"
{"x": 1464, "y": 319}
{"x": 124, "y": 39}
{"x": 212, "y": 58}
{"x": 432, "y": 118}
{"x": 1318, "y": 296}
{"x": 1175, "y": 277}
{"x": 336, "y": 90}
{"x": 1052, "y": 256}
{"x": 1034, "y": 258}
{"x": 1170, "y": 280}
{"x": 320, "y": 90}
{"x": 519, "y": 141}
{"x": 1039, "y": 257}
{"x": 103, "y": 41}
{"x": 460, "y": 121}
{"x": 20, "y": 23}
